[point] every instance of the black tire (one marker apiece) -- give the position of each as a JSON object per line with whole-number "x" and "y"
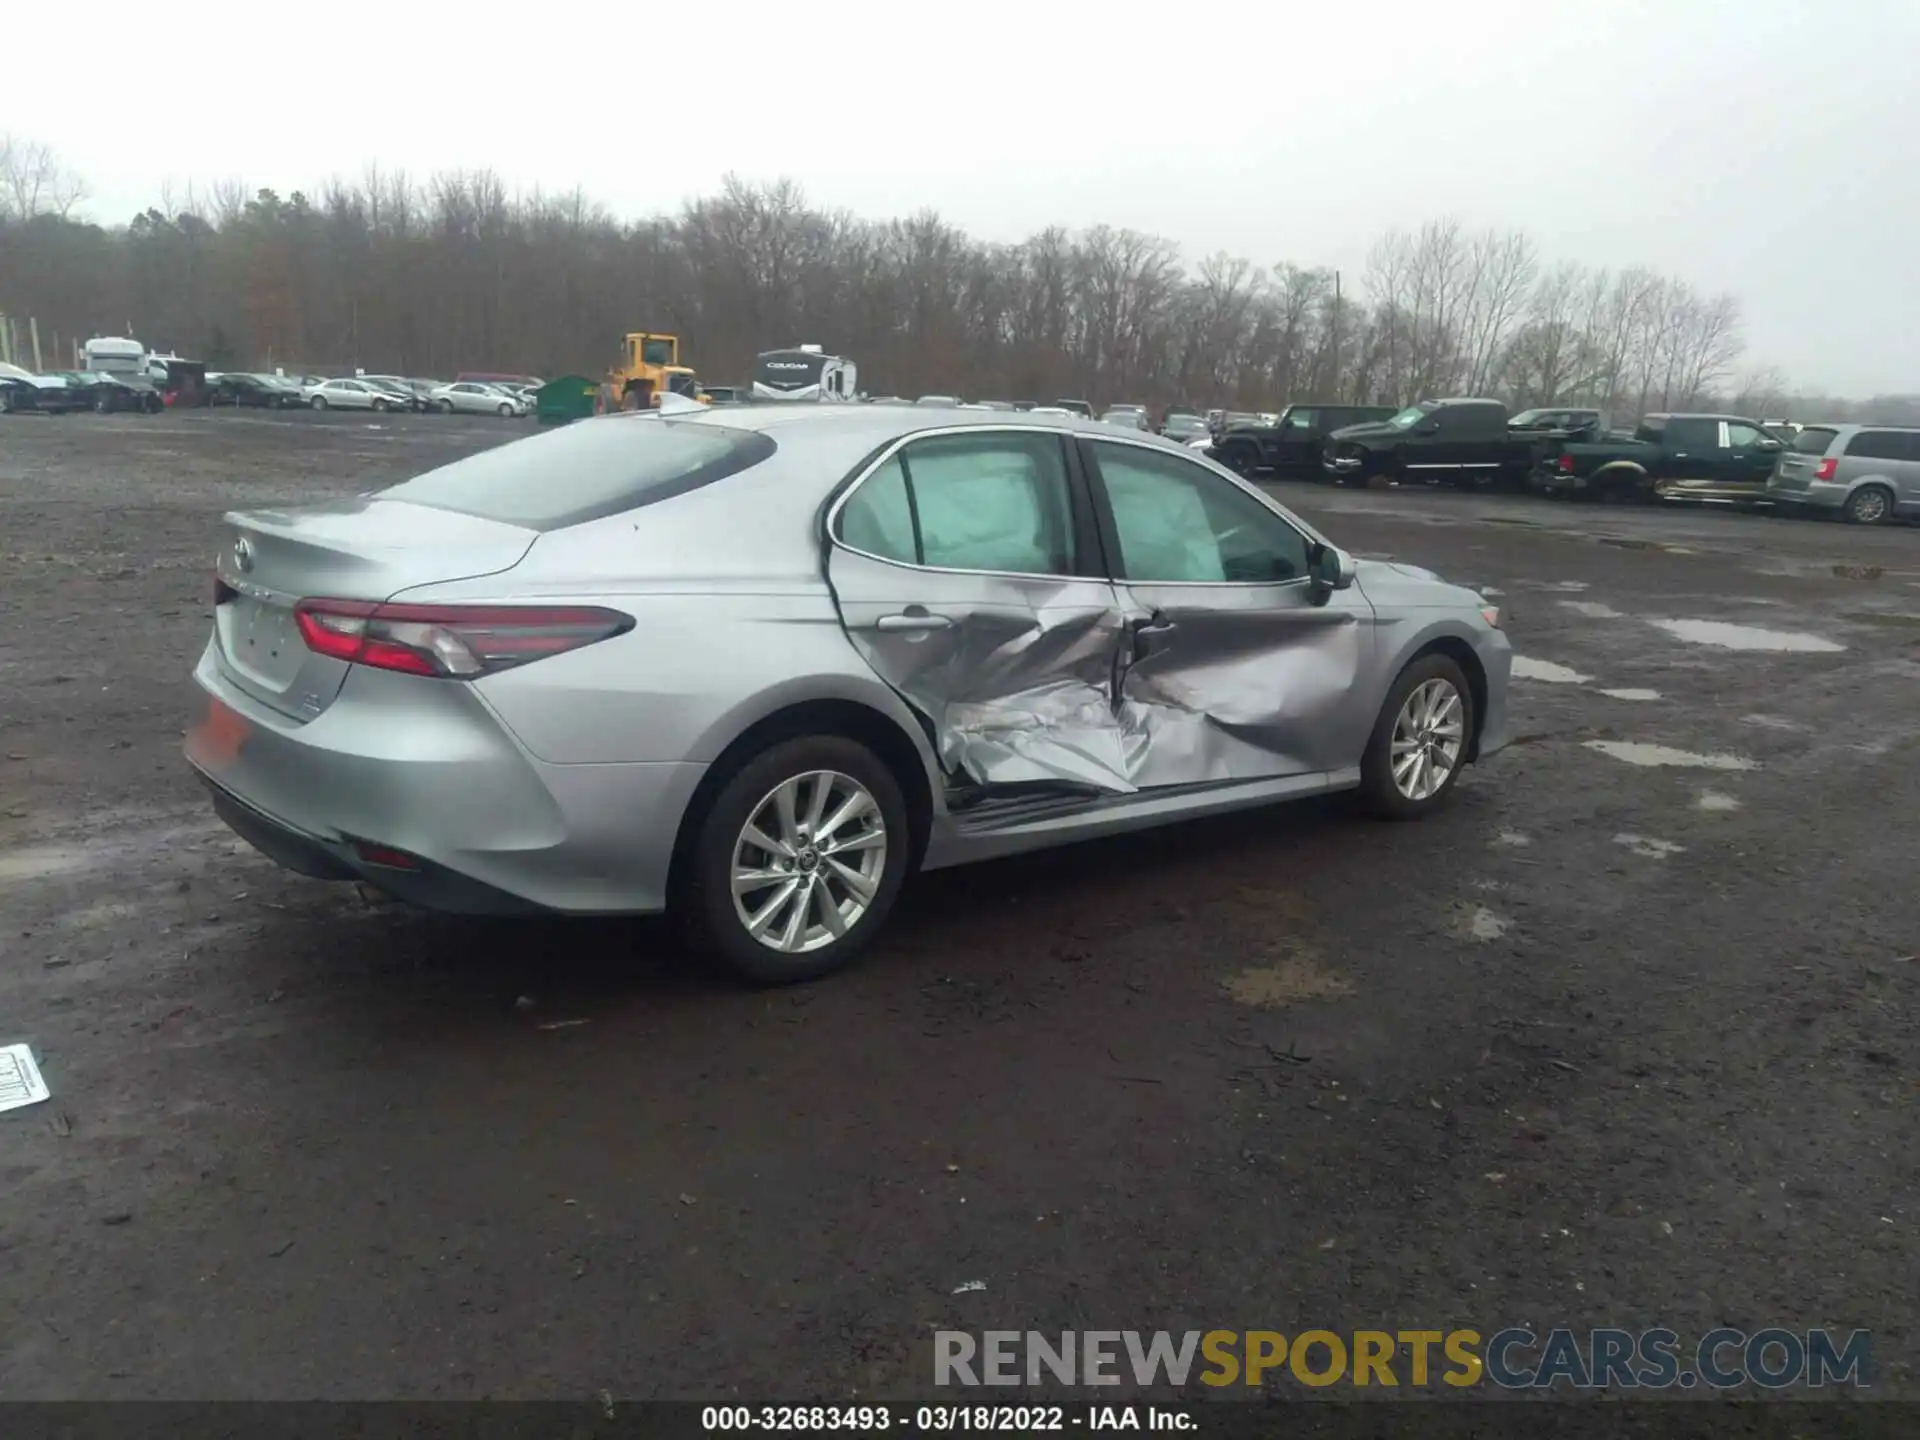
{"x": 318, "y": 402}
{"x": 1869, "y": 505}
{"x": 380, "y": 407}
{"x": 506, "y": 412}
{"x": 1377, "y": 787}
{"x": 706, "y": 904}
{"x": 443, "y": 407}
{"x": 102, "y": 404}
{"x": 1243, "y": 460}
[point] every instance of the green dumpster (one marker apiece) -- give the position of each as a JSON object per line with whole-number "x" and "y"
{"x": 571, "y": 397}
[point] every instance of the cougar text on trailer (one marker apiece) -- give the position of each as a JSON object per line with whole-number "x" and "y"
{"x": 803, "y": 373}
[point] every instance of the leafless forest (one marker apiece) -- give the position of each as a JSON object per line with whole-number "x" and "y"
{"x": 459, "y": 273}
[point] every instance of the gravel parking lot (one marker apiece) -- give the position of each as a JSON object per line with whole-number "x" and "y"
{"x": 1624, "y": 1037}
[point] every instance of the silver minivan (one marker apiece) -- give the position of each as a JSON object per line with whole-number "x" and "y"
{"x": 1869, "y": 473}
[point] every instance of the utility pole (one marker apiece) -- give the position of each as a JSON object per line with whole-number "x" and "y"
{"x": 1336, "y": 337}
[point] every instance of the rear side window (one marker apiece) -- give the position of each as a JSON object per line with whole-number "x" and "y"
{"x": 1884, "y": 445}
{"x": 586, "y": 471}
{"x": 1813, "y": 441}
{"x": 988, "y": 501}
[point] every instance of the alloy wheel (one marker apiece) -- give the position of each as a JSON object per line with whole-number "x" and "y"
{"x": 809, "y": 861}
{"x": 1428, "y": 735}
{"x": 1869, "y": 507}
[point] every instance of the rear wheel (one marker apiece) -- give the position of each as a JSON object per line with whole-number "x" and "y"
{"x": 443, "y": 407}
{"x": 1419, "y": 743}
{"x": 319, "y": 402}
{"x": 798, "y": 860}
{"x": 506, "y": 412}
{"x": 102, "y": 403}
{"x": 1869, "y": 505}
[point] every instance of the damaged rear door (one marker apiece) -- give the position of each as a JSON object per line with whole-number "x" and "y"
{"x": 1235, "y": 667}
{"x": 967, "y": 572}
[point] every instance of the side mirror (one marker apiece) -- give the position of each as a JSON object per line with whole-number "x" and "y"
{"x": 1427, "y": 427}
{"x": 1330, "y": 568}
{"x": 1770, "y": 445}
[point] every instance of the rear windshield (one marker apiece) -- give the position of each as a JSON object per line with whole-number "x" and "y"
{"x": 586, "y": 470}
{"x": 1813, "y": 441}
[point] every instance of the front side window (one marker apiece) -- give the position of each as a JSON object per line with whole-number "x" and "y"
{"x": 1300, "y": 419}
{"x": 1409, "y": 417}
{"x": 1697, "y": 434}
{"x": 1179, "y": 523}
{"x": 1745, "y": 437}
{"x": 993, "y": 502}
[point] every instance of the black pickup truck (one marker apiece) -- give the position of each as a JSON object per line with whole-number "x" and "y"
{"x": 1458, "y": 439}
{"x": 1673, "y": 457}
{"x": 1292, "y": 444}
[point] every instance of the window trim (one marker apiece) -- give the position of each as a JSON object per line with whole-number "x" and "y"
{"x": 1088, "y": 549}
{"x": 1909, "y": 433}
{"x": 1110, "y": 534}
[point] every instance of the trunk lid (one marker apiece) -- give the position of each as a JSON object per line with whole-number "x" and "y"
{"x": 361, "y": 549}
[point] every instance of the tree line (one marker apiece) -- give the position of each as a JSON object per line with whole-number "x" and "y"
{"x": 458, "y": 273}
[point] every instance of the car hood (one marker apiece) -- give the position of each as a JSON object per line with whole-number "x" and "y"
{"x": 1389, "y": 583}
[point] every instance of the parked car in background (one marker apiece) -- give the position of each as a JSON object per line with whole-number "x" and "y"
{"x": 353, "y": 394}
{"x": 947, "y": 402}
{"x": 400, "y": 390}
{"x": 1075, "y": 407}
{"x": 1055, "y": 412}
{"x": 120, "y": 394}
{"x": 1869, "y": 474}
{"x": 553, "y": 719}
{"x": 21, "y": 393}
{"x": 1456, "y": 439}
{"x": 260, "y": 392}
{"x": 1184, "y": 425}
{"x": 1292, "y": 444}
{"x": 727, "y": 394}
{"x": 1676, "y": 457}
{"x": 1133, "y": 417}
{"x": 470, "y": 397}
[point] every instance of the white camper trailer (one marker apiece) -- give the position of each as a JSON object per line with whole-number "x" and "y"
{"x": 803, "y": 373}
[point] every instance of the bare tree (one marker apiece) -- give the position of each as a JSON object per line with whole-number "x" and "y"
{"x": 33, "y": 182}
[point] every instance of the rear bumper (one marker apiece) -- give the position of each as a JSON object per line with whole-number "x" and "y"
{"x": 428, "y": 885}
{"x": 1820, "y": 494}
{"x": 1557, "y": 481}
{"x": 426, "y": 768}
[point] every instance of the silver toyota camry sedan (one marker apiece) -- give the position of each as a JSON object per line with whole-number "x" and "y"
{"x": 755, "y": 666}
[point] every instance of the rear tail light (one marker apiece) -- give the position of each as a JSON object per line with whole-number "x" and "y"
{"x": 384, "y": 856}
{"x": 1824, "y": 470}
{"x": 1566, "y": 464}
{"x": 457, "y": 642}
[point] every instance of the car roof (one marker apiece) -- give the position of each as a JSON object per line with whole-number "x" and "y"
{"x": 1701, "y": 415}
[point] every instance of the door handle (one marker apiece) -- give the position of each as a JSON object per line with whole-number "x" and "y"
{"x": 1153, "y": 625}
{"x": 912, "y": 622}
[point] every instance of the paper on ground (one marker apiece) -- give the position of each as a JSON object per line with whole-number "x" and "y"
{"x": 20, "y": 1080}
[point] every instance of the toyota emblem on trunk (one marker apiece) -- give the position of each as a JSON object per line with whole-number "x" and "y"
{"x": 243, "y": 556}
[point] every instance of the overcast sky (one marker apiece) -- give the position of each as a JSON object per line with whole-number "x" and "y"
{"x": 1770, "y": 148}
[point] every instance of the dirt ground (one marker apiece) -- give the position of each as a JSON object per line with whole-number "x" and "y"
{"x": 1607, "y": 1043}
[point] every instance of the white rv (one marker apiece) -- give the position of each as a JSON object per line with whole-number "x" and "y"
{"x": 805, "y": 372}
{"x": 115, "y": 355}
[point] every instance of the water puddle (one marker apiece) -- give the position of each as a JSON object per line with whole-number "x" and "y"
{"x": 1592, "y": 609}
{"x": 1729, "y": 636}
{"x": 1570, "y": 586}
{"x": 1512, "y": 838}
{"x": 1716, "y": 803}
{"x": 1476, "y": 922}
{"x": 44, "y": 861}
{"x": 1772, "y": 722}
{"x": 1525, "y": 668}
{"x": 1293, "y": 979}
{"x": 1649, "y": 848}
{"x": 1636, "y": 753}
{"x": 1631, "y": 694}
